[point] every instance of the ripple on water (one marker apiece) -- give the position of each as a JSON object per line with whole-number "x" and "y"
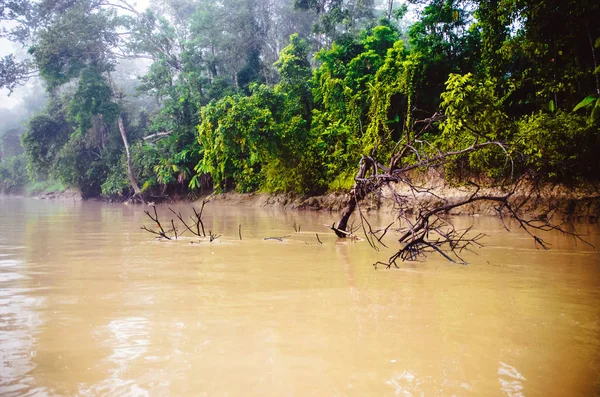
{"x": 114, "y": 388}
{"x": 12, "y": 247}
{"x": 6, "y": 263}
{"x": 128, "y": 338}
{"x": 18, "y": 324}
{"x": 511, "y": 380}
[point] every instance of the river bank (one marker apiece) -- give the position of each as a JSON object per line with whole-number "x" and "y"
{"x": 540, "y": 201}
{"x": 581, "y": 203}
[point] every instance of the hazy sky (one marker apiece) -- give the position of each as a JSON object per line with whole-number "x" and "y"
{"x": 13, "y": 100}
{"x": 6, "y": 47}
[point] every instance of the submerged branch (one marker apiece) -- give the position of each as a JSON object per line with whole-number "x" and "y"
{"x": 422, "y": 209}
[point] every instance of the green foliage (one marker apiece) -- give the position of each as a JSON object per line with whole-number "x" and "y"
{"x": 91, "y": 98}
{"x": 353, "y": 92}
{"x": 231, "y": 113}
{"x": 587, "y": 102}
{"x": 293, "y": 66}
{"x": 116, "y": 181}
{"x": 79, "y": 166}
{"x": 474, "y": 113}
{"x": 593, "y": 103}
{"x": 562, "y": 146}
{"x": 235, "y": 135}
{"x": 73, "y": 42}
{"x": 13, "y": 174}
{"x": 472, "y": 107}
{"x": 43, "y": 140}
{"x": 45, "y": 186}
{"x": 391, "y": 96}
{"x": 446, "y": 43}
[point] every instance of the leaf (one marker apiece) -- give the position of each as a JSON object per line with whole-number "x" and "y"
{"x": 585, "y": 103}
{"x": 194, "y": 183}
{"x": 597, "y": 70}
{"x": 551, "y": 106}
{"x": 595, "y": 116}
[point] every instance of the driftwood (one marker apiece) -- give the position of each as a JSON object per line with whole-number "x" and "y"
{"x": 421, "y": 212}
{"x": 196, "y": 227}
{"x": 212, "y": 237}
{"x": 276, "y": 238}
{"x": 161, "y": 231}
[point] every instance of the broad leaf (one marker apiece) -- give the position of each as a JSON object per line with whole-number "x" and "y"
{"x": 595, "y": 116}
{"x": 585, "y": 103}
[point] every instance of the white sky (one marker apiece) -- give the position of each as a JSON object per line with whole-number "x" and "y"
{"x": 13, "y": 100}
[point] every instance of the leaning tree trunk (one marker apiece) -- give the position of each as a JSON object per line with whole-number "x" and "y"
{"x": 130, "y": 175}
{"x": 357, "y": 193}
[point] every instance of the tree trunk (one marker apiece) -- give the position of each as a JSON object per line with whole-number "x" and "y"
{"x": 130, "y": 175}
{"x": 390, "y": 8}
{"x": 356, "y": 194}
{"x": 593, "y": 59}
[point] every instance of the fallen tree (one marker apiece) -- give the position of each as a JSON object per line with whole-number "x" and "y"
{"x": 422, "y": 212}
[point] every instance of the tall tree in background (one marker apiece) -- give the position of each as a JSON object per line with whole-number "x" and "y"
{"x": 76, "y": 42}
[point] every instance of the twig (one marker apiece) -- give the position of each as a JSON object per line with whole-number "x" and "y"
{"x": 174, "y": 228}
{"x": 212, "y": 237}
{"x": 276, "y": 238}
{"x": 318, "y": 239}
{"x": 162, "y": 232}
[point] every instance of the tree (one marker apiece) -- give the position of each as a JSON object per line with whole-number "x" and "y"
{"x": 421, "y": 210}
{"x": 44, "y": 138}
{"x": 81, "y": 43}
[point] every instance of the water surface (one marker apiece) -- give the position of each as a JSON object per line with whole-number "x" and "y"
{"x": 90, "y": 305}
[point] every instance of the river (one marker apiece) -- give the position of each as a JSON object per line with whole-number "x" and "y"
{"x": 91, "y": 305}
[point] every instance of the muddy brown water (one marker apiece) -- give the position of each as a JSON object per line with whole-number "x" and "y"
{"x": 90, "y": 305}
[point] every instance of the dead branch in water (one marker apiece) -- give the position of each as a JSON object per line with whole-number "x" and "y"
{"x": 196, "y": 227}
{"x": 174, "y": 228}
{"x": 422, "y": 211}
{"x": 276, "y": 238}
{"x": 198, "y": 224}
{"x": 161, "y": 233}
{"x": 212, "y": 237}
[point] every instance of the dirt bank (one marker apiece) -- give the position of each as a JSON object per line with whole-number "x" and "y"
{"x": 69, "y": 194}
{"x": 581, "y": 203}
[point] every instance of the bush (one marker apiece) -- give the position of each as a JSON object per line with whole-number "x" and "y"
{"x": 13, "y": 174}
{"x": 562, "y": 147}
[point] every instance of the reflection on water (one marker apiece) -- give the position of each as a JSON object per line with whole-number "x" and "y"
{"x": 90, "y": 305}
{"x": 511, "y": 380}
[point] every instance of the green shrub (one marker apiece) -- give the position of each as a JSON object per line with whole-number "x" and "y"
{"x": 13, "y": 174}
{"x": 563, "y": 146}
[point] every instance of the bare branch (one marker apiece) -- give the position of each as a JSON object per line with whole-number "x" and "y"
{"x": 161, "y": 233}
{"x": 421, "y": 210}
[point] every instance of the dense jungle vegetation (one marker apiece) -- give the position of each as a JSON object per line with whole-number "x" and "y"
{"x": 286, "y": 96}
